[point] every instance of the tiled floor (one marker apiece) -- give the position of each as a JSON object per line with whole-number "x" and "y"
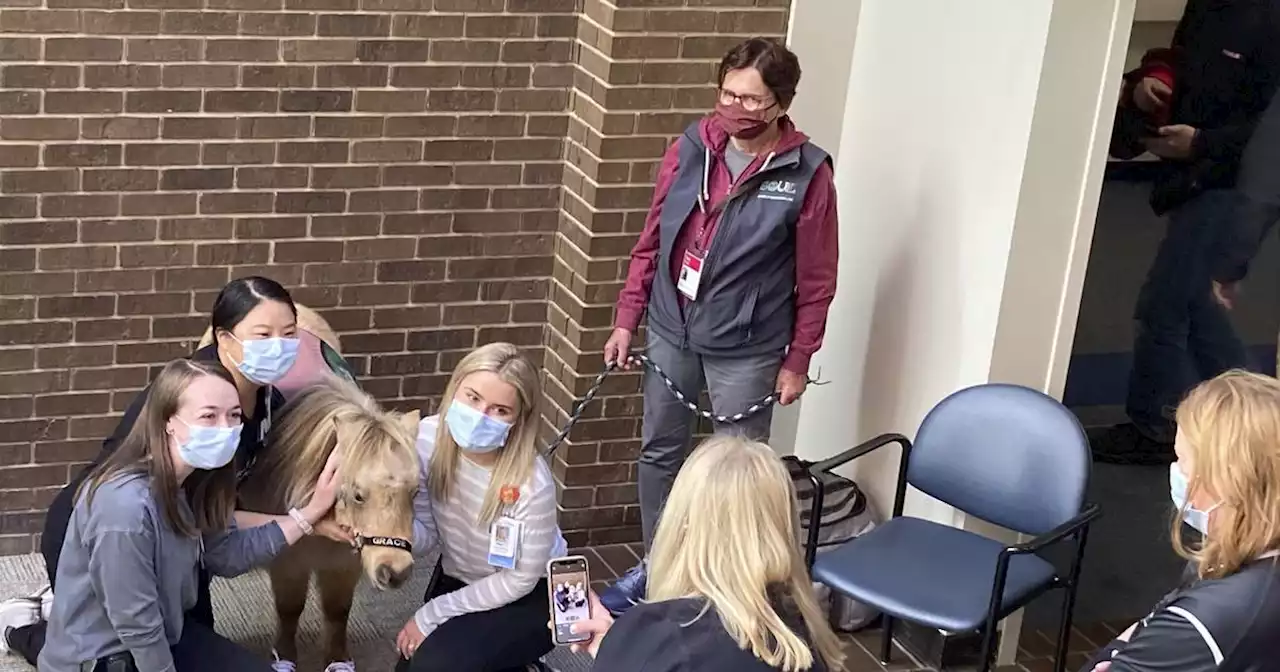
{"x": 1035, "y": 654}
{"x": 609, "y": 562}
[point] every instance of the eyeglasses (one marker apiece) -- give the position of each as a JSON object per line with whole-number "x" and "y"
{"x": 749, "y": 102}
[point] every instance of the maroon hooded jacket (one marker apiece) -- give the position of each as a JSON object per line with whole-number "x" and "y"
{"x": 816, "y": 240}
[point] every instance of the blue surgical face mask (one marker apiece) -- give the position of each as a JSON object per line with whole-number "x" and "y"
{"x": 267, "y": 360}
{"x": 474, "y": 431}
{"x": 1178, "y": 491}
{"x": 209, "y": 447}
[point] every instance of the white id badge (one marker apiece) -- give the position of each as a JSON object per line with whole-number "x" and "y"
{"x": 504, "y": 542}
{"x": 690, "y": 275}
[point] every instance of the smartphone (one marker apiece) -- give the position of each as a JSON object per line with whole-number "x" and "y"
{"x": 569, "y": 582}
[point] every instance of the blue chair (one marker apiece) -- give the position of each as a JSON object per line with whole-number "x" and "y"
{"x": 1007, "y": 454}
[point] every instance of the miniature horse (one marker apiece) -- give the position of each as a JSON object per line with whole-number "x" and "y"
{"x": 379, "y": 471}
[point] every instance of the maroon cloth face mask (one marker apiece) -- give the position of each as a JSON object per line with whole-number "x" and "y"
{"x": 740, "y": 123}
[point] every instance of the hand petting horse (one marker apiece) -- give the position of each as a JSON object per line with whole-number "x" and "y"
{"x": 380, "y": 472}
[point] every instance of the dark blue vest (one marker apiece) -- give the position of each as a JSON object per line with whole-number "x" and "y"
{"x": 746, "y": 295}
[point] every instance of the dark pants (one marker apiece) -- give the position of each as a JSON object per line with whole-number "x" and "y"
{"x": 733, "y": 383}
{"x": 199, "y": 650}
{"x": 29, "y": 639}
{"x": 505, "y": 639}
{"x": 1183, "y": 335}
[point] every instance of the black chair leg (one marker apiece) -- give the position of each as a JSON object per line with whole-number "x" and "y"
{"x": 1069, "y": 604}
{"x": 989, "y": 644}
{"x": 1064, "y": 634}
{"x": 886, "y": 639}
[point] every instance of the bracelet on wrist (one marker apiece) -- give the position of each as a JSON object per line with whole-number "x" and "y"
{"x": 302, "y": 521}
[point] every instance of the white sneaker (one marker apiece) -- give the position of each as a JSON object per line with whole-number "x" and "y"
{"x": 341, "y": 666}
{"x": 279, "y": 665}
{"x": 15, "y": 613}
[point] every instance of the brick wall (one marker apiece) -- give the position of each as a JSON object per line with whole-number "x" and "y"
{"x": 399, "y": 163}
{"x": 396, "y": 161}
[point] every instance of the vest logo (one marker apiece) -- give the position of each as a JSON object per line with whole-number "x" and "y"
{"x": 778, "y": 190}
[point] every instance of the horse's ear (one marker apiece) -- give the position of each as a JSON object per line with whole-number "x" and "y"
{"x": 339, "y": 434}
{"x": 410, "y": 421}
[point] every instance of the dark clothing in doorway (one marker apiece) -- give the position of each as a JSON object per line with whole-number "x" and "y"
{"x": 1184, "y": 336}
{"x": 1223, "y": 66}
{"x": 1257, "y": 204}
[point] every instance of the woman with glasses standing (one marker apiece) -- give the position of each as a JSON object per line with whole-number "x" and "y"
{"x": 736, "y": 267}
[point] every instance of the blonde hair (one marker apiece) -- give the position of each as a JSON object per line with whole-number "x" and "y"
{"x": 1231, "y": 427}
{"x": 729, "y": 534}
{"x": 310, "y": 428}
{"x": 516, "y": 458}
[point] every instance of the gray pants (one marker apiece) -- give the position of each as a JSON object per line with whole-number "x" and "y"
{"x": 734, "y": 383}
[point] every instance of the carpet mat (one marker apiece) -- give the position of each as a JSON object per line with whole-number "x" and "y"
{"x": 245, "y": 612}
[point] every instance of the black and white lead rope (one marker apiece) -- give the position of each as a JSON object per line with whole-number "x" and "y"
{"x": 688, "y": 402}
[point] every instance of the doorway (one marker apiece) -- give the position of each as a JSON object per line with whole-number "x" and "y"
{"x": 1129, "y": 563}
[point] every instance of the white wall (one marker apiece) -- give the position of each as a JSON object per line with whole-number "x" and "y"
{"x": 1159, "y": 10}
{"x": 968, "y": 167}
{"x": 933, "y": 153}
{"x": 925, "y": 233}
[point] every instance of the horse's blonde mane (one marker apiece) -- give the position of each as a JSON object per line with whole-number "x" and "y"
{"x": 307, "y": 430}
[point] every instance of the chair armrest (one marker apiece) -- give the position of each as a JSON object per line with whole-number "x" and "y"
{"x": 1067, "y": 529}
{"x": 818, "y": 474}
{"x": 860, "y": 450}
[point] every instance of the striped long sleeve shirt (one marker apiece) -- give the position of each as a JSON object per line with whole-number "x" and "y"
{"x": 464, "y": 542}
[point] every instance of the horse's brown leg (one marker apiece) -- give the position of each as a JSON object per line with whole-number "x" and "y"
{"x": 290, "y": 577}
{"x": 337, "y": 590}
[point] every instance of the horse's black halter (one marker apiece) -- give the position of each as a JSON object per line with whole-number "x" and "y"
{"x": 386, "y": 542}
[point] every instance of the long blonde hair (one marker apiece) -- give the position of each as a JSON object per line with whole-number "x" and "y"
{"x": 729, "y": 534}
{"x": 313, "y": 425}
{"x": 516, "y": 458}
{"x": 1231, "y": 426}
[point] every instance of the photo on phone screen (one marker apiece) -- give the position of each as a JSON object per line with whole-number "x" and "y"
{"x": 569, "y": 583}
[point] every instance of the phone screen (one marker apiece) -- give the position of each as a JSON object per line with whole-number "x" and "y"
{"x": 569, "y": 583}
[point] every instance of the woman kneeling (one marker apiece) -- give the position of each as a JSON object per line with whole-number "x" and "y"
{"x": 728, "y": 588}
{"x": 146, "y": 518}
{"x": 490, "y": 499}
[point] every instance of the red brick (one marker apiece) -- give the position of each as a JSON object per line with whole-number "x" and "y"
{"x": 53, "y": 307}
{"x": 108, "y": 378}
{"x": 154, "y": 352}
{"x": 73, "y": 404}
{"x": 32, "y": 333}
{"x": 75, "y": 356}
{"x": 34, "y": 382}
{"x": 57, "y": 452}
